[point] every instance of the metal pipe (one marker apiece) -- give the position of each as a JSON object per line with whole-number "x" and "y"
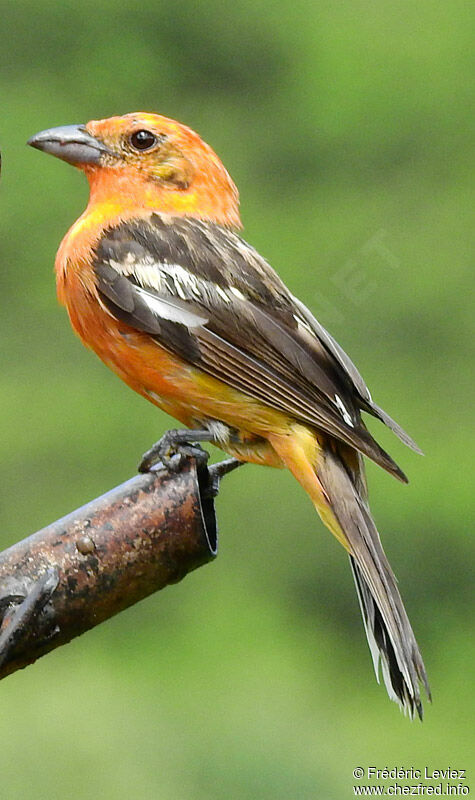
{"x": 82, "y": 569}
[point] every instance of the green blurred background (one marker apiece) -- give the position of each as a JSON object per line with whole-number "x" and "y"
{"x": 347, "y": 127}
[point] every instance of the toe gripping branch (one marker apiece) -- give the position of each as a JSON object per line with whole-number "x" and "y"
{"x": 82, "y": 569}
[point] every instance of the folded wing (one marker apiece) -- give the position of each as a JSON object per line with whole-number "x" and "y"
{"x": 206, "y": 295}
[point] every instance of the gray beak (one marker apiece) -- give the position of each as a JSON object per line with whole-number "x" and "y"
{"x": 71, "y": 143}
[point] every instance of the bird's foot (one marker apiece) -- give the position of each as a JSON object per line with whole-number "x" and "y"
{"x": 174, "y": 447}
{"x": 218, "y": 471}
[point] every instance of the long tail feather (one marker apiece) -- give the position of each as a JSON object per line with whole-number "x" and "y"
{"x": 333, "y": 475}
{"x": 391, "y": 639}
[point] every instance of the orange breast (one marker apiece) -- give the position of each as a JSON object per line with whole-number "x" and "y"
{"x": 165, "y": 379}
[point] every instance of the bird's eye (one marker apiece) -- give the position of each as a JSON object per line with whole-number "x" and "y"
{"x": 143, "y": 140}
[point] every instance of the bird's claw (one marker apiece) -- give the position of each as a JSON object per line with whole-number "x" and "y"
{"x": 171, "y": 451}
{"x": 217, "y": 472}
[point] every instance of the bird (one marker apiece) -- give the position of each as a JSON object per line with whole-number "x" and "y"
{"x": 159, "y": 283}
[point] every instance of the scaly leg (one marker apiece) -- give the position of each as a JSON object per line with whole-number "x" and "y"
{"x": 176, "y": 445}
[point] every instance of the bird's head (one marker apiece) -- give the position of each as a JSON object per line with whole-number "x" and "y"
{"x": 148, "y": 161}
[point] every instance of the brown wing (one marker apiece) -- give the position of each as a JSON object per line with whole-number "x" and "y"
{"x": 205, "y": 294}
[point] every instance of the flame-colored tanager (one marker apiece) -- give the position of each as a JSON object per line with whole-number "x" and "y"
{"x": 158, "y": 283}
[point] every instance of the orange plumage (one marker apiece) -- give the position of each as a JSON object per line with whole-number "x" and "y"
{"x": 159, "y": 285}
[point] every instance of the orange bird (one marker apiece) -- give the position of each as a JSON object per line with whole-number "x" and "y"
{"x": 158, "y": 283}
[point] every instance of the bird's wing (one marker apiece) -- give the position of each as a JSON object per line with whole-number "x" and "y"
{"x": 366, "y": 402}
{"x": 206, "y": 295}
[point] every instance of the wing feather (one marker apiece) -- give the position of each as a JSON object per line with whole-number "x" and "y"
{"x": 206, "y": 295}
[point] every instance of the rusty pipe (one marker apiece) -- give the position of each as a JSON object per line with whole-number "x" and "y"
{"x": 82, "y": 569}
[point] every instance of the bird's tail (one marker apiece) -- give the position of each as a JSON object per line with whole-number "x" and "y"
{"x": 336, "y": 484}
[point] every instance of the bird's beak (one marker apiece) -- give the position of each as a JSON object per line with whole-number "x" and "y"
{"x": 71, "y": 143}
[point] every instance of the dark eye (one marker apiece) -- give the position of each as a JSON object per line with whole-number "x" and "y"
{"x": 143, "y": 140}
